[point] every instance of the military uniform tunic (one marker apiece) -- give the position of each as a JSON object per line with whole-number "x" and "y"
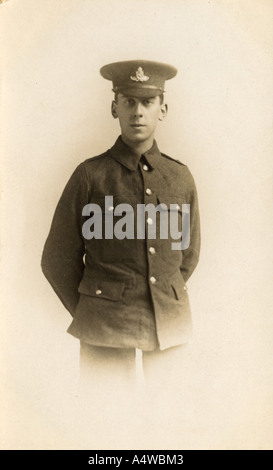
{"x": 131, "y": 292}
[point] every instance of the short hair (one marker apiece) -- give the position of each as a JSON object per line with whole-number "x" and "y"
{"x": 161, "y": 97}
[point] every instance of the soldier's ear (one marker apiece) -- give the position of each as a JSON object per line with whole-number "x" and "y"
{"x": 114, "y": 110}
{"x": 163, "y": 111}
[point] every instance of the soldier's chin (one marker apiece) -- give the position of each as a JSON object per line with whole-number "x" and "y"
{"x": 138, "y": 135}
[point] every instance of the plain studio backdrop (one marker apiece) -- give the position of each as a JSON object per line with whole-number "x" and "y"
{"x": 55, "y": 112}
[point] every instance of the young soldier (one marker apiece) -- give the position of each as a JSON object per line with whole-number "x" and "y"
{"x": 126, "y": 293}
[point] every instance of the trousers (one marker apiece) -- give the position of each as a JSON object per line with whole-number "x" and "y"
{"x": 121, "y": 370}
{"x": 120, "y": 403}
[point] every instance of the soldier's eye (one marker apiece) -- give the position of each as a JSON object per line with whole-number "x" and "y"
{"x": 129, "y": 101}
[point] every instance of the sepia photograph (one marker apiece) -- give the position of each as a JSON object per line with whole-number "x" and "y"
{"x": 136, "y": 152}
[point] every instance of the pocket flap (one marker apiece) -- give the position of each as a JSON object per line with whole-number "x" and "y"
{"x": 108, "y": 204}
{"x": 172, "y": 202}
{"x": 179, "y": 287}
{"x": 109, "y": 289}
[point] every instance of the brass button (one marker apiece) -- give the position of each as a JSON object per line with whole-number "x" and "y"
{"x": 111, "y": 208}
{"x": 145, "y": 168}
{"x": 185, "y": 287}
{"x": 149, "y": 221}
{"x": 98, "y": 292}
{"x": 148, "y": 191}
{"x": 152, "y": 280}
{"x": 152, "y": 250}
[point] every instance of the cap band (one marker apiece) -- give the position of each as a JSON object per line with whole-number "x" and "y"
{"x": 126, "y": 87}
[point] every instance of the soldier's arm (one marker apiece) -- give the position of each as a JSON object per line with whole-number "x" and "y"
{"x": 62, "y": 258}
{"x": 191, "y": 254}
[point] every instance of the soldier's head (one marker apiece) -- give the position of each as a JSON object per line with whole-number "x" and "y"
{"x": 139, "y": 97}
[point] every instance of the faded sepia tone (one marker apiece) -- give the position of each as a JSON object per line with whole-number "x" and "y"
{"x": 55, "y": 112}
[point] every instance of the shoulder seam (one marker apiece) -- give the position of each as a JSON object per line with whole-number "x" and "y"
{"x": 172, "y": 159}
{"x": 96, "y": 157}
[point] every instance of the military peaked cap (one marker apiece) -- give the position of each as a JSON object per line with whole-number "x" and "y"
{"x": 138, "y": 77}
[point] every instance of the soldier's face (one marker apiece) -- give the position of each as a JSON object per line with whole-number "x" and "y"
{"x": 138, "y": 117}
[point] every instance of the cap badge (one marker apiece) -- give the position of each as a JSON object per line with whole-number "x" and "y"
{"x": 140, "y": 76}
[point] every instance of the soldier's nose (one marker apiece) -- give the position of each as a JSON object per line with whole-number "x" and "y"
{"x": 138, "y": 111}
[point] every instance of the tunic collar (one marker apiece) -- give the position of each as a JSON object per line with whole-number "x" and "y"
{"x": 126, "y": 156}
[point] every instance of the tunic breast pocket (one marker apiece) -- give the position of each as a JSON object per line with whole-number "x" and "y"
{"x": 113, "y": 239}
{"x": 174, "y": 213}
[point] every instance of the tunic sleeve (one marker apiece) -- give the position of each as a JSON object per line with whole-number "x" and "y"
{"x": 192, "y": 253}
{"x": 62, "y": 258}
